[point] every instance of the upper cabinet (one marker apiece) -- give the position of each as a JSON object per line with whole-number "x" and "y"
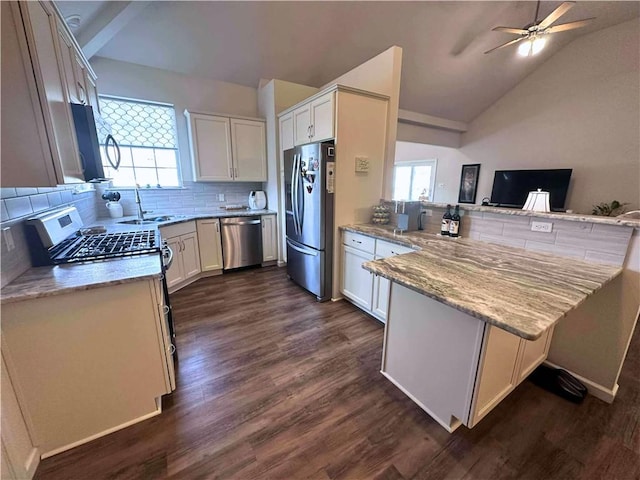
{"x": 225, "y": 149}
{"x": 286, "y": 132}
{"x": 311, "y": 122}
{"x": 43, "y": 70}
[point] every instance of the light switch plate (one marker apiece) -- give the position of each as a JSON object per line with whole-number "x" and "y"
{"x": 362, "y": 164}
{"x": 545, "y": 227}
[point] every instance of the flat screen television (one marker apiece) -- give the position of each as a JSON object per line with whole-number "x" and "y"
{"x": 511, "y": 187}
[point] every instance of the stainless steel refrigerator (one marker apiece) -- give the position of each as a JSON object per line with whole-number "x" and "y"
{"x": 309, "y": 194}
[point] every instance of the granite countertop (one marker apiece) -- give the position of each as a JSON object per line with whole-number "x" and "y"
{"x": 59, "y": 279}
{"x": 114, "y": 223}
{"x": 571, "y": 217}
{"x": 520, "y": 291}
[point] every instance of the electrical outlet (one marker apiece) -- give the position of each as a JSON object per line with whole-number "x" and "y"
{"x": 8, "y": 239}
{"x": 545, "y": 227}
{"x": 221, "y": 197}
{"x": 362, "y": 164}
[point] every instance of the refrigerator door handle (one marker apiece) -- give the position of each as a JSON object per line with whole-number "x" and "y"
{"x": 293, "y": 192}
{"x": 304, "y": 251}
{"x": 295, "y": 189}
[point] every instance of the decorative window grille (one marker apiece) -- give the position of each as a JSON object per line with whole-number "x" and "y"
{"x": 146, "y": 134}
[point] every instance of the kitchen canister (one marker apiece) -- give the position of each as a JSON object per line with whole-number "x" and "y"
{"x": 381, "y": 215}
{"x": 115, "y": 209}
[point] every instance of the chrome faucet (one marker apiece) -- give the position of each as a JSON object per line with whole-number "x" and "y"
{"x": 140, "y": 211}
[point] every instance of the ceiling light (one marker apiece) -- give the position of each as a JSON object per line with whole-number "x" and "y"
{"x": 532, "y": 46}
{"x": 73, "y": 21}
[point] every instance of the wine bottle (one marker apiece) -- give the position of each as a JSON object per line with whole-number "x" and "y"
{"x": 446, "y": 219}
{"x": 454, "y": 224}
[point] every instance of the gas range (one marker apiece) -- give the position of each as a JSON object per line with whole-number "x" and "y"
{"x": 92, "y": 247}
{"x": 57, "y": 238}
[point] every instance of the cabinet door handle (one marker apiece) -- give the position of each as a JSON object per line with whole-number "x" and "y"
{"x": 235, "y": 172}
{"x": 312, "y": 128}
{"x": 183, "y": 247}
{"x": 217, "y": 227}
{"x": 231, "y": 172}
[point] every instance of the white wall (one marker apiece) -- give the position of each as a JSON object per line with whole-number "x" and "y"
{"x": 274, "y": 97}
{"x": 408, "y": 132}
{"x": 184, "y": 92}
{"x": 448, "y": 168}
{"x": 381, "y": 74}
{"x": 580, "y": 110}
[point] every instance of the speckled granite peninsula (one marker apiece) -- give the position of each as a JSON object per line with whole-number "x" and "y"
{"x": 40, "y": 282}
{"x": 520, "y": 291}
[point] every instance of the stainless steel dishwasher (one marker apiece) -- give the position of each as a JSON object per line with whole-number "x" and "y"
{"x": 241, "y": 242}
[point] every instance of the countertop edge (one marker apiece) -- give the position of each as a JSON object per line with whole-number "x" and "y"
{"x": 17, "y": 298}
{"x": 527, "y": 335}
{"x": 571, "y": 217}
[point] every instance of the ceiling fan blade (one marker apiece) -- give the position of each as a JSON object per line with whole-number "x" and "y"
{"x": 517, "y": 31}
{"x": 505, "y": 44}
{"x": 570, "y": 26}
{"x": 556, "y": 14}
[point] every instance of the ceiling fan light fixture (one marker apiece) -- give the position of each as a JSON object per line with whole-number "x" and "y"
{"x": 532, "y": 46}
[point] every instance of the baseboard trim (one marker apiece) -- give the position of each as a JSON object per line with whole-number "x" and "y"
{"x": 603, "y": 393}
{"x": 449, "y": 428}
{"x": 55, "y": 451}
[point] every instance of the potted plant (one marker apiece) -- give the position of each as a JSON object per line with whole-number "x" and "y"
{"x": 612, "y": 209}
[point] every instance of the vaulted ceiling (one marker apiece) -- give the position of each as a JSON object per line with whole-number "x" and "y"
{"x": 444, "y": 70}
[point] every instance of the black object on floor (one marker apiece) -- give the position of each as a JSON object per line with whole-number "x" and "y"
{"x": 560, "y": 382}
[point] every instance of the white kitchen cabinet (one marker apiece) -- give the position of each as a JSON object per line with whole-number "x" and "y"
{"x": 210, "y": 244}
{"x": 210, "y": 142}
{"x": 68, "y": 59}
{"x": 182, "y": 238}
{"x": 19, "y": 456}
{"x": 38, "y": 138}
{"x": 227, "y": 149}
{"x": 357, "y": 283}
{"x": 505, "y": 362}
{"x": 314, "y": 121}
{"x": 249, "y": 150}
{"x": 41, "y": 26}
{"x": 269, "y": 238}
{"x": 110, "y": 376}
{"x": 533, "y": 353}
{"x": 286, "y": 132}
{"x": 373, "y": 295}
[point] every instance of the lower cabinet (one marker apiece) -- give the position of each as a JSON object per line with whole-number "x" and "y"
{"x": 505, "y": 362}
{"x": 357, "y": 283}
{"x": 453, "y": 365}
{"x": 84, "y": 372}
{"x": 368, "y": 291}
{"x": 182, "y": 238}
{"x": 210, "y": 244}
{"x": 269, "y": 238}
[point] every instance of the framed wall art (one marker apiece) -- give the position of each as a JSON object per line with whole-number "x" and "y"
{"x": 469, "y": 183}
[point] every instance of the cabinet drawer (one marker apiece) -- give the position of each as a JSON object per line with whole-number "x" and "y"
{"x": 361, "y": 242}
{"x": 178, "y": 229}
{"x": 388, "y": 249}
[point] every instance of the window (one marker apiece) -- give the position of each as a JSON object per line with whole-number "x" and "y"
{"x": 146, "y": 134}
{"x": 414, "y": 179}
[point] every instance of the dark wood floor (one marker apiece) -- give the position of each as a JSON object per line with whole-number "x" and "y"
{"x": 272, "y": 384}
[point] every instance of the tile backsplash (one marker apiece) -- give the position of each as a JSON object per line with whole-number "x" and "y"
{"x": 193, "y": 198}
{"x": 17, "y": 204}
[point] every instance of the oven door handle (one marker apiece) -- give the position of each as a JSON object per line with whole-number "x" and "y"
{"x": 168, "y": 259}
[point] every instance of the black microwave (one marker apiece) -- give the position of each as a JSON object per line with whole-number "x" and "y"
{"x": 86, "y": 128}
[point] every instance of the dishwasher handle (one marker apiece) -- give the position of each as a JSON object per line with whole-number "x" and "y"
{"x": 251, "y": 222}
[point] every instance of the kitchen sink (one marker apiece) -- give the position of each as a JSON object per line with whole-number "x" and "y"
{"x": 138, "y": 222}
{"x": 149, "y": 221}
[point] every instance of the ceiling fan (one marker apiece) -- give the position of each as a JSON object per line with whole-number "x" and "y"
{"x": 534, "y": 34}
